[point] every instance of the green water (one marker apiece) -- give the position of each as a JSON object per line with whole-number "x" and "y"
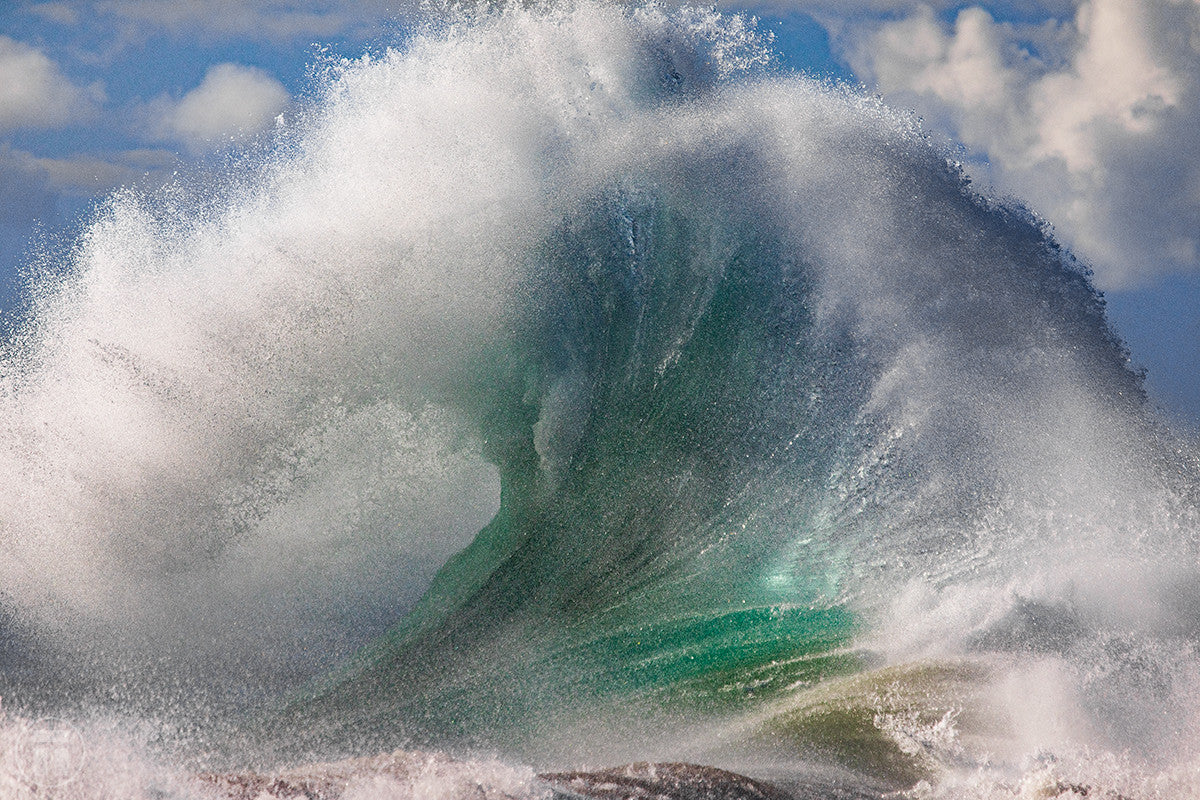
{"x": 653, "y": 551}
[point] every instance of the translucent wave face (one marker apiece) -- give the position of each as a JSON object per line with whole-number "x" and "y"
{"x": 752, "y": 332}
{"x": 235, "y": 433}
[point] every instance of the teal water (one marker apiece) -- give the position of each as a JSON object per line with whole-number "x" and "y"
{"x": 573, "y": 386}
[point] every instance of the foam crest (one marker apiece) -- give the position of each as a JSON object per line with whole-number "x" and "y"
{"x": 246, "y": 391}
{"x": 727, "y": 356}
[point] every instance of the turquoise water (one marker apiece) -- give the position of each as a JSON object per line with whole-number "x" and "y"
{"x": 573, "y": 386}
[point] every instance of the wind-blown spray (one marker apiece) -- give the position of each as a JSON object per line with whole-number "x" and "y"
{"x": 794, "y": 446}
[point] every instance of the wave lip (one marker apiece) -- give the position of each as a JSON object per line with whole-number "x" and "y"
{"x": 771, "y": 363}
{"x": 761, "y": 398}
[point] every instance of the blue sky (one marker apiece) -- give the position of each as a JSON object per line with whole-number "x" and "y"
{"x": 1087, "y": 110}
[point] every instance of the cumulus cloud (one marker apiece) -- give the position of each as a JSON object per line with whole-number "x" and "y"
{"x": 232, "y": 102}
{"x": 258, "y": 19}
{"x": 837, "y": 14}
{"x": 34, "y": 93}
{"x": 1093, "y": 119}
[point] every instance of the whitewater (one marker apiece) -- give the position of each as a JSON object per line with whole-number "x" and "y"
{"x": 572, "y": 387}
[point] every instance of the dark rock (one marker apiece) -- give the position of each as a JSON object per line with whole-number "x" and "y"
{"x": 671, "y": 781}
{"x": 661, "y": 782}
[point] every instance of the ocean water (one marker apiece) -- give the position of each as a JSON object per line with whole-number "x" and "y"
{"x": 570, "y": 387}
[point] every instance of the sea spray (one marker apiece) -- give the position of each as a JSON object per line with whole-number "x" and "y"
{"x": 794, "y": 446}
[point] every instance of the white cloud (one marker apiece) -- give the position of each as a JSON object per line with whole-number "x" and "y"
{"x": 87, "y": 175}
{"x": 25, "y": 191}
{"x": 835, "y": 14}
{"x": 232, "y": 102}
{"x": 31, "y": 184}
{"x": 1095, "y": 120}
{"x": 62, "y": 13}
{"x": 34, "y": 93}
{"x": 257, "y": 19}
